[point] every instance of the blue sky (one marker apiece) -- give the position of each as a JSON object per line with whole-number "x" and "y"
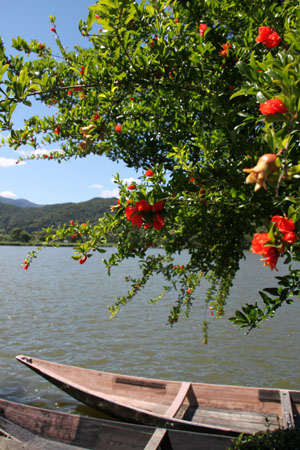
{"x": 42, "y": 181}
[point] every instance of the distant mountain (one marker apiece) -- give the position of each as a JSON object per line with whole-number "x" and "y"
{"x": 36, "y": 217}
{"x": 19, "y": 202}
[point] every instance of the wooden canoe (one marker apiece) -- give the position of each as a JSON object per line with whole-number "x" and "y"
{"x": 37, "y": 428}
{"x": 197, "y": 407}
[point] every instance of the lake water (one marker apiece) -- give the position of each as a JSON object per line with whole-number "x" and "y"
{"x": 57, "y": 310}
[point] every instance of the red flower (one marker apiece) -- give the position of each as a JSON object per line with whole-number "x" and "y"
{"x": 149, "y": 173}
{"x": 273, "y": 106}
{"x": 158, "y": 221}
{"x": 129, "y": 210}
{"x": 118, "y": 128}
{"x": 271, "y": 258}
{"x": 189, "y": 290}
{"x": 143, "y": 205}
{"x": 96, "y": 117}
{"x": 270, "y": 253}
{"x": 202, "y": 28}
{"x": 82, "y": 70}
{"x": 268, "y": 37}
{"x": 175, "y": 267}
{"x": 71, "y": 222}
{"x": 283, "y": 224}
{"x": 131, "y": 187}
{"x": 137, "y": 219}
{"x": 192, "y": 180}
{"x": 83, "y": 259}
{"x": 57, "y": 130}
{"x": 225, "y": 48}
{"x": 258, "y": 242}
{"x": 290, "y": 237}
{"x": 74, "y": 235}
{"x": 135, "y": 214}
{"x": 53, "y": 29}
{"x": 181, "y": 267}
{"x": 69, "y": 92}
{"x": 158, "y": 206}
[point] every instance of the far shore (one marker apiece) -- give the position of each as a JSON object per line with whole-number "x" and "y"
{"x": 41, "y": 244}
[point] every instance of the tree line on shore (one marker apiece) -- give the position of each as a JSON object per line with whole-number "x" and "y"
{"x": 26, "y": 225}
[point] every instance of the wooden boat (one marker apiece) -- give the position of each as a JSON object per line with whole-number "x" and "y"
{"x": 37, "y": 428}
{"x": 206, "y": 408}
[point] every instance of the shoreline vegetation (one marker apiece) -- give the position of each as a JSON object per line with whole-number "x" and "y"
{"x": 42, "y": 244}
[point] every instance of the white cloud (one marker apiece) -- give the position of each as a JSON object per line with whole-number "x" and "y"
{"x": 38, "y": 152}
{"x": 10, "y": 162}
{"x": 8, "y": 194}
{"x": 106, "y": 193}
{"x": 131, "y": 180}
{"x": 96, "y": 186}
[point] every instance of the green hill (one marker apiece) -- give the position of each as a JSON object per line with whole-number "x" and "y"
{"x": 19, "y": 202}
{"x": 34, "y": 219}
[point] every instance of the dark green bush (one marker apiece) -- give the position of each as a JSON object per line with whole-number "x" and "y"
{"x": 269, "y": 440}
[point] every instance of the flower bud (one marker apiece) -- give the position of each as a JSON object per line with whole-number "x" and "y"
{"x": 266, "y": 165}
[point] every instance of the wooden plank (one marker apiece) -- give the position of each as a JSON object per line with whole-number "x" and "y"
{"x": 7, "y": 435}
{"x": 27, "y": 440}
{"x": 13, "y": 431}
{"x": 287, "y": 410}
{"x": 274, "y": 395}
{"x": 266, "y": 395}
{"x": 159, "y": 438}
{"x": 179, "y": 399}
{"x": 295, "y": 396}
{"x": 250, "y": 422}
{"x": 142, "y": 383}
{"x": 8, "y": 444}
{"x": 199, "y": 441}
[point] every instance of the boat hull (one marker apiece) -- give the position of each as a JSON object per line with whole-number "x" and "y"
{"x": 195, "y": 407}
{"x": 53, "y": 430}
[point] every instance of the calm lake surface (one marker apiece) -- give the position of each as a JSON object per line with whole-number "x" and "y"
{"x": 57, "y": 310}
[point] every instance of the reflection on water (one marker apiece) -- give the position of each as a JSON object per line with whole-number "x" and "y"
{"x": 57, "y": 310}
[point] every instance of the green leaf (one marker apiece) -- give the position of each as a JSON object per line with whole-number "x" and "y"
{"x": 245, "y": 70}
{"x": 272, "y": 291}
{"x": 3, "y": 69}
{"x": 265, "y": 298}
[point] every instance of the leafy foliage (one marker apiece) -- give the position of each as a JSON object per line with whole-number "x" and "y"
{"x": 158, "y": 92}
{"x": 282, "y": 439}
